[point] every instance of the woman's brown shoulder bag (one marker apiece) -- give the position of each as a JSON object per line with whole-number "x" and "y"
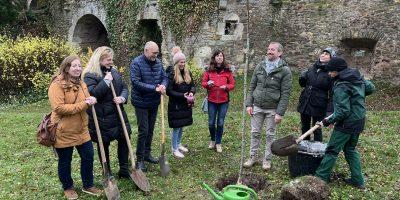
{"x": 46, "y": 132}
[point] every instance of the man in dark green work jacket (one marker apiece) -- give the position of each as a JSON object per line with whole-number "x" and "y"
{"x": 349, "y": 93}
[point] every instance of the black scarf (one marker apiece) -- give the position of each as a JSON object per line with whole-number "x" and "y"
{"x": 105, "y": 69}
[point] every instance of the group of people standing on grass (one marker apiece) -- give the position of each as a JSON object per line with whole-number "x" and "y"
{"x": 329, "y": 87}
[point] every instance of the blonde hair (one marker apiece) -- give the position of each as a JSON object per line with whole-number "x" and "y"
{"x": 178, "y": 75}
{"x": 93, "y": 65}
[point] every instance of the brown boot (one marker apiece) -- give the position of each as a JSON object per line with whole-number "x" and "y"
{"x": 93, "y": 191}
{"x": 70, "y": 194}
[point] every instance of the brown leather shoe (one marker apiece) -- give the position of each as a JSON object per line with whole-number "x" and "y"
{"x": 93, "y": 191}
{"x": 70, "y": 194}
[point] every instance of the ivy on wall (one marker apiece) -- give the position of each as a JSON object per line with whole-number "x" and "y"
{"x": 123, "y": 28}
{"x": 184, "y": 17}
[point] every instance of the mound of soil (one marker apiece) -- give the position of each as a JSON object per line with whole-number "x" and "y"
{"x": 252, "y": 181}
{"x": 305, "y": 188}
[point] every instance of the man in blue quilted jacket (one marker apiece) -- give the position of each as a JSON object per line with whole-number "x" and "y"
{"x": 149, "y": 81}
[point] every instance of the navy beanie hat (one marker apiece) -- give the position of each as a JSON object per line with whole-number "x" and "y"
{"x": 336, "y": 64}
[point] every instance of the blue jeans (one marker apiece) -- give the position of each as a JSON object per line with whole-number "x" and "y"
{"x": 176, "y": 137}
{"x": 64, "y": 165}
{"x": 216, "y": 113}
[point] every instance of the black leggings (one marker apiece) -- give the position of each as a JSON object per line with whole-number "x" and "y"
{"x": 305, "y": 126}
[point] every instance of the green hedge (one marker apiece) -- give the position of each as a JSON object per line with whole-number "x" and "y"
{"x": 28, "y": 63}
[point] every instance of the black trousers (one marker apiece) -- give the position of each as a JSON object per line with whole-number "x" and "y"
{"x": 306, "y": 125}
{"x": 146, "y": 119}
{"x": 122, "y": 152}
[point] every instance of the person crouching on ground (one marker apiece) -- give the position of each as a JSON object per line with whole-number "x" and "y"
{"x": 69, "y": 98}
{"x": 349, "y": 93}
{"x": 181, "y": 91}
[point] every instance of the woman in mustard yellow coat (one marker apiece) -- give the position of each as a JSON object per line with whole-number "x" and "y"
{"x": 69, "y": 99}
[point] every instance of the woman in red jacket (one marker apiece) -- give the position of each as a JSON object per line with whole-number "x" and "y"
{"x": 218, "y": 80}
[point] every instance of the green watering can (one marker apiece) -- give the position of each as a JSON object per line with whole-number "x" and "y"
{"x": 233, "y": 192}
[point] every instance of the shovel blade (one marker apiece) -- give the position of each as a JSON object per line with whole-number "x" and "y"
{"x": 111, "y": 189}
{"x": 164, "y": 166}
{"x": 140, "y": 179}
{"x": 285, "y": 146}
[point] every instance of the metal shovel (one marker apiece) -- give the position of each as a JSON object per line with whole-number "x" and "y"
{"x": 289, "y": 145}
{"x": 164, "y": 166}
{"x": 109, "y": 183}
{"x": 136, "y": 175}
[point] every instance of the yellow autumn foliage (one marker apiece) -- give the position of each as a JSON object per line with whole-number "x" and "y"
{"x": 29, "y": 62}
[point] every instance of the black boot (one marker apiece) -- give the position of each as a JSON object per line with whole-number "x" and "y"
{"x": 348, "y": 181}
{"x": 140, "y": 165}
{"x": 151, "y": 159}
{"x": 123, "y": 174}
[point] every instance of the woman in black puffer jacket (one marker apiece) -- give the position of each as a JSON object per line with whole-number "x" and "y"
{"x": 316, "y": 98}
{"x": 98, "y": 75}
{"x": 181, "y": 91}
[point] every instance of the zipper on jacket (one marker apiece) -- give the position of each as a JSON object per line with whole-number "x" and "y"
{"x": 218, "y": 89}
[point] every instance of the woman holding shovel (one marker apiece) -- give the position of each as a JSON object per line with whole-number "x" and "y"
{"x": 69, "y": 99}
{"x": 98, "y": 75}
{"x": 181, "y": 91}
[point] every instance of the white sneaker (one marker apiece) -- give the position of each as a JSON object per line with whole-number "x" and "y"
{"x": 183, "y": 149}
{"x": 177, "y": 154}
{"x": 211, "y": 145}
{"x": 250, "y": 162}
{"x": 266, "y": 165}
{"x": 219, "y": 148}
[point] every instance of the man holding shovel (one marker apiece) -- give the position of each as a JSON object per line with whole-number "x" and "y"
{"x": 267, "y": 101}
{"x": 349, "y": 93}
{"x": 149, "y": 81}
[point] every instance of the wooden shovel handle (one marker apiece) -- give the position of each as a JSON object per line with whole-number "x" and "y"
{"x": 317, "y": 125}
{"x": 162, "y": 120}
{"x": 121, "y": 117}
{"x": 99, "y": 138}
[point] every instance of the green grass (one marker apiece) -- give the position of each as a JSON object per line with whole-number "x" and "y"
{"x": 29, "y": 171}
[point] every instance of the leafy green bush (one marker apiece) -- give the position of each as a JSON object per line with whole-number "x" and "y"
{"x": 197, "y": 71}
{"x": 29, "y": 62}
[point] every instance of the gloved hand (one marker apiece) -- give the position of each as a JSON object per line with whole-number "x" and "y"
{"x": 325, "y": 122}
{"x": 189, "y": 99}
{"x": 210, "y": 83}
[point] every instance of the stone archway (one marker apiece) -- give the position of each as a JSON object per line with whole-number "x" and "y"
{"x": 149, "y": 30}
{"x": 150, "y": 25}
{"x": 87, "y": 23}
{"x": 90, "y": 32}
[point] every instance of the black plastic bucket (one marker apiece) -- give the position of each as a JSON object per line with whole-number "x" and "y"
{"x": 307, "y": 160}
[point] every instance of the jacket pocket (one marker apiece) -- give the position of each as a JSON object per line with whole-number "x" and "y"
{"x": 71, "y": 124}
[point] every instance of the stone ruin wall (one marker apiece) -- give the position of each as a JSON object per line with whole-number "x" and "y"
{"x": 366, "y": 33}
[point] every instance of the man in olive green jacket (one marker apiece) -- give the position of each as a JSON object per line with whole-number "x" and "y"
{"x": 349, "y": 93}
{"x": 267, "y": 101}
